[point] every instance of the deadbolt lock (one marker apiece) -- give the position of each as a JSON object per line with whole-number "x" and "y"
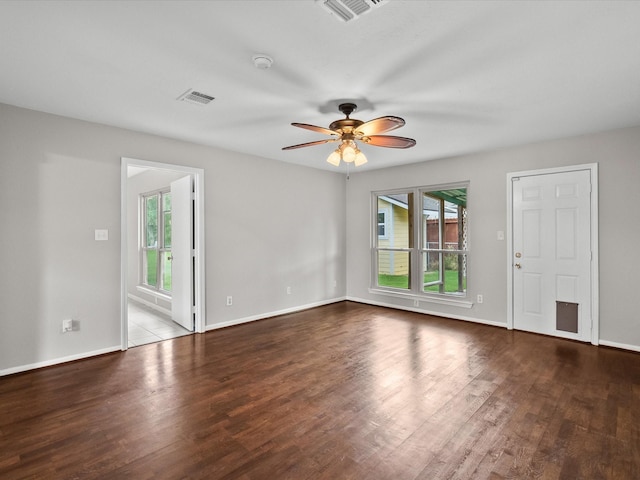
{"x": 518, "y": 254}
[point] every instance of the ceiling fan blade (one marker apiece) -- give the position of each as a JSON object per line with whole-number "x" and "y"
{"x": 380, "y": 125}
{"x": 315, "y": 128}
{"x": 389, "y": 141}
{"x": 310, "y": 144}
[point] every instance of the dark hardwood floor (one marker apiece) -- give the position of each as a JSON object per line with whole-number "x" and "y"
{"x": 345, "y": 391}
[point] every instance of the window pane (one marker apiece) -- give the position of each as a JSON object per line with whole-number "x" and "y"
{"x": 431, "y": 271}
{"x": 444, "y": 272}
{"x": 395, "y": 210}
{"x": 166, "y": 217}
{"x": 150, "y": 267}
{"x": 167, "y": 229}
{"x": 431, "y": 221}
{"x": 393, "y": 269}
{"x": 151, "y": 221}
{"x": 166, "y": 271}
{"x": 444, "y": 219}
{"x": 166, "y": 202}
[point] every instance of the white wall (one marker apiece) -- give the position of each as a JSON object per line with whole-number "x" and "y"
{"x": 269, "y": 225}
{"x": 618, "y": 156}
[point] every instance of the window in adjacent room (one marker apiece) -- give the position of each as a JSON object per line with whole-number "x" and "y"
{"x": 156, "y": 241}
{"x": 429, "y": 260}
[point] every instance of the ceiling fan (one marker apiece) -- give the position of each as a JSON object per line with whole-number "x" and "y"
{"x": 348, "y": 130}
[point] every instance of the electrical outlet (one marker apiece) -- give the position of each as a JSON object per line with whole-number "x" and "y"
{"x": 288, "y": 290}
{"x": 229, "y": 301}
{"x": 480, "y": 299}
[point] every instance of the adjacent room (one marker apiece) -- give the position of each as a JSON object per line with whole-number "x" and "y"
{"x": 382, "y": 239}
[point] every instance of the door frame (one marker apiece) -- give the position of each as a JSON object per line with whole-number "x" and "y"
{"x": 199, "y": 245}
{"x": 595, "y": 278}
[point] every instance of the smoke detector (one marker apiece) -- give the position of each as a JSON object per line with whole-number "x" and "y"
{"x": 347, "y": 10}
{"x": 197, "y": 98}
{"x": 262, "y": 61}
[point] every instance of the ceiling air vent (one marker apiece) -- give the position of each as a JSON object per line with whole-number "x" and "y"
{"x": 347, "y": 10}
{"x": 199, "y": 98}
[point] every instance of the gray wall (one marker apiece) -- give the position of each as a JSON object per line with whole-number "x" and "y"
{"x": 618, "y": 156}
{"x": 269, "y": 225}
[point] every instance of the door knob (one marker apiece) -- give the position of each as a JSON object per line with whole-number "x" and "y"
{"x": 518, "y": 266}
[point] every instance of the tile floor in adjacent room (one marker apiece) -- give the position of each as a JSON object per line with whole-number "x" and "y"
{"x": 148, "y": 326}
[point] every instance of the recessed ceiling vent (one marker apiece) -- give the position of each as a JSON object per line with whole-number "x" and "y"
{"x": 198, "y": 98}
{"x": 347, "y": 10}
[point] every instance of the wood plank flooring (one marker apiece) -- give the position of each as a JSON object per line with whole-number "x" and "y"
{"x": 344, "y": 391}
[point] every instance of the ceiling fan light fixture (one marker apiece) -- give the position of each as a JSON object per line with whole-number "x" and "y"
{"x": 348, "y": 152}
{"x": 334, "y": 158}
{"x": 360, "y": 159}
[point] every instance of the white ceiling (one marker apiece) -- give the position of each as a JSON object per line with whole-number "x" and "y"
{"x": 466, "y": 76}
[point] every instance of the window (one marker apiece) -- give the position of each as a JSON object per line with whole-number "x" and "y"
{"x": 383, "y": 227}
{"x": 439, "y": 265}
{"x": 156, "y": 241}
{"x": 393, "y": 250}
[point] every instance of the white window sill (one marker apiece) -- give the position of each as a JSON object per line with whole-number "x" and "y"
{"x": 442, "y": 300}
{"x": 154, "y": 293}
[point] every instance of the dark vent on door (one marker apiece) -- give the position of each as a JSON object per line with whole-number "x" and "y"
{"x": 198, "y": 98}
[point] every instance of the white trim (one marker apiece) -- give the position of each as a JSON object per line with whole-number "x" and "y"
{"x": 624, "y": 346}
{"x": 57, "y": 361}
{"x": 199, "y": 274}
{"x": 491, "y": 323}
{"x": 263, "y": 316}
{"x": 149, "y": 304}
{"x": 154, "y": 293}
{"x": 595, "y": 255}
{"x": 448, "y": 300}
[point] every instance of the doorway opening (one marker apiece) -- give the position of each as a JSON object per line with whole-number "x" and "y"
{"x": 162, "y": 251}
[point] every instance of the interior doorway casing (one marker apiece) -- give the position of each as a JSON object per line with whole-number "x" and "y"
{"x": 593, "y": 168}
{"x": 199, "y": 251}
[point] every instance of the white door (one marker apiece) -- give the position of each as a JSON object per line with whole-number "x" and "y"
{"x": 551, "y": 256}
{"x": 181, "y": 251}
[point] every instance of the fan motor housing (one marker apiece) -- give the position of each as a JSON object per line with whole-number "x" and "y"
{"x": 345, "y": 124}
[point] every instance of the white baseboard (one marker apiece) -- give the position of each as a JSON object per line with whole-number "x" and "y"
{"x": 149, "y": 304}
{"x": 56, "y": 361}
{"x": 428, "y": 312}
{"x": 263, "y": 316}
{"x": 623, "y": 346}
{"x": 606, "y": 343}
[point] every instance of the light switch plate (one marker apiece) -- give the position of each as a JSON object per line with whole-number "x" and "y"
{"x": 102, "y": 234}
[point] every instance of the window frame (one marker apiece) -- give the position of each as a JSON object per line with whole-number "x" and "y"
{"x": 417, "y": 248}
{"x": 160, "y": 248}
